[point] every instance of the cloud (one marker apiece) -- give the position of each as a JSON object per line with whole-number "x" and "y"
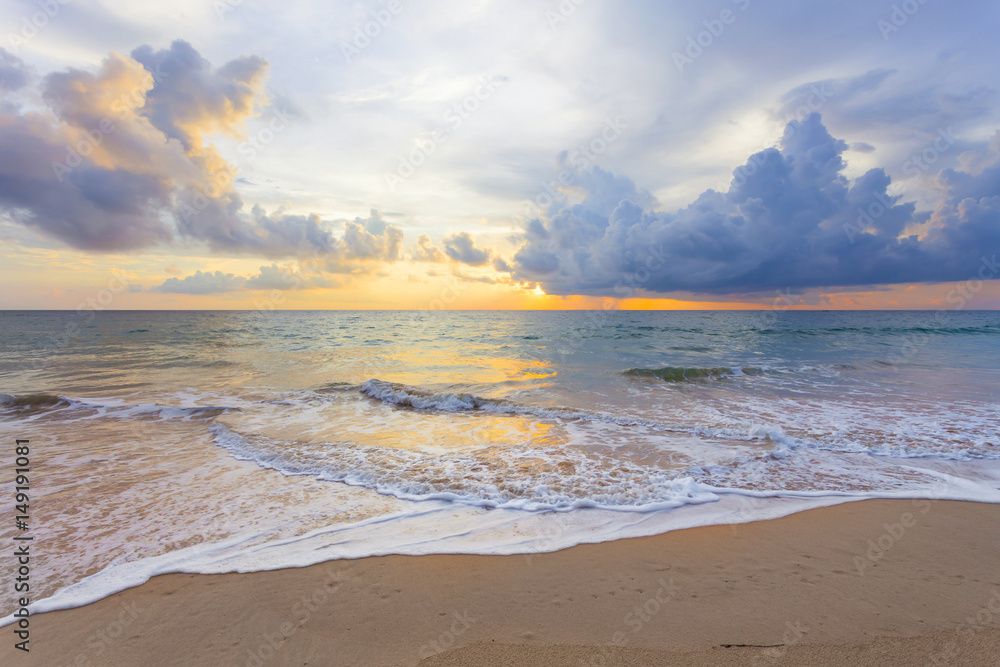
{"x": 14, "y": 73}
{"x": 462, "y": 248}
{"x": 203, "y": 283}
{"x": 487, "y": 280}
{"x": 271, "y": 277}
{"x": 122, "y": 162}
{"x": 287, "y": 278}
{"x": 192, "y": 99}
{"x": 801, "y": 100}
{"x": 427, "y": 251}
{"x": 97, "y": 173}
{"x": 790, "y": 219}
{"x": 500, "y": 264}
{"x": 92, "y": 208}
{"x": 371, "y": 239}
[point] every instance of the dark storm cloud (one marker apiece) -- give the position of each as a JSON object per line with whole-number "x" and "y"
{"x": 790, "y": 219}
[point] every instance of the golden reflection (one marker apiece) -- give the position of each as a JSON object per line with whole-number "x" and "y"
{"x": 476, "y": 368}
{"x": 315, "y": 428}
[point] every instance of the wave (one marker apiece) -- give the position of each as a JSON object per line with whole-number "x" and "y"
{"x": 405, "y": 396}
{"x": 563, "y": 478}
{"x": 33, "y": 402}
{"x": 888, "y": 331}
{"x": 682, "y": 374}
{"x": 425, "y": 399}
{"x": 414, "y": 398}
{"x": 494, "y": 476}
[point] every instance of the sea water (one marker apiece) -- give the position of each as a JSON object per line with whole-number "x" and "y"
{"x": 242, "y": 441}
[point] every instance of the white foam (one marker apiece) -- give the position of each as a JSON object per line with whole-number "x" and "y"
{"x": 440, "y": 527}
{"x": 505, "y": 478}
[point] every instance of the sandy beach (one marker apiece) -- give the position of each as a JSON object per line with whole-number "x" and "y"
{"x": 878, "y": 582}
{"x": 562, "y": 333}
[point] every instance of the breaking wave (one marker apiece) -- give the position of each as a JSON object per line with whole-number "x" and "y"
{"x": 681, "y": 374}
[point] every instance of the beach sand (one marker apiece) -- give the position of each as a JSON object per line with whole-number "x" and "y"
{"x": 877, "y": 582}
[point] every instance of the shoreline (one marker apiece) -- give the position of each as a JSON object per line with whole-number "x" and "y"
{"x": 873, "y": 581}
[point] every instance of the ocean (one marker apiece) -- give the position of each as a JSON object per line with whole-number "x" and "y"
{"x": 241, "y": 441}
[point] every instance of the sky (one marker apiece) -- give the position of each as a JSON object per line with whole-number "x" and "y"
{"x": 545, "y": 154}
